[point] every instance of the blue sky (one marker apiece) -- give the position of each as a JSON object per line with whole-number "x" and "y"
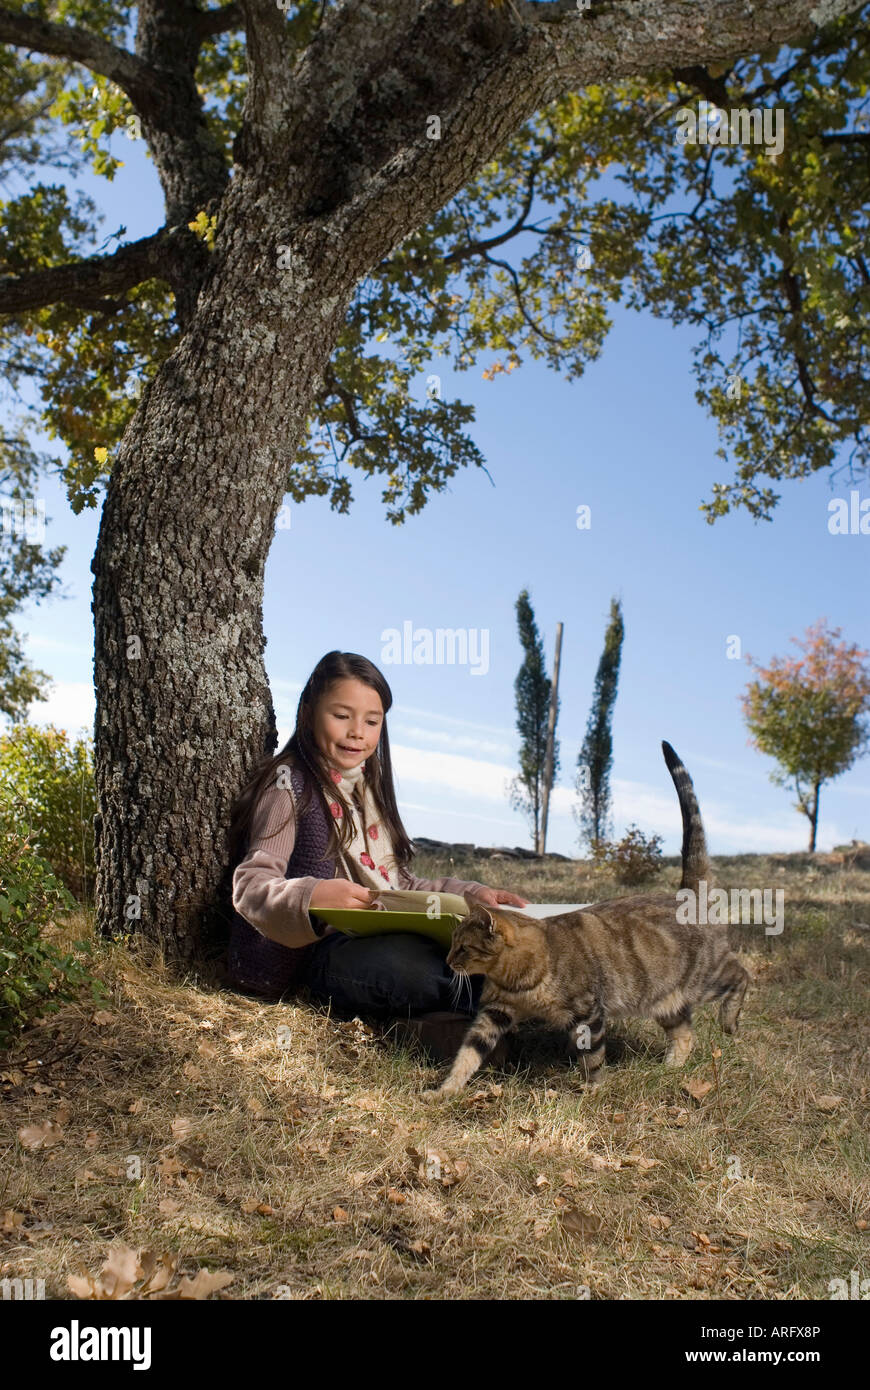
{"x": 630, "y": 441}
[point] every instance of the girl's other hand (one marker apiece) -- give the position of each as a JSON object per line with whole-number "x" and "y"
{"x": 340, "y": 892}
{"x": 493, "y": 896}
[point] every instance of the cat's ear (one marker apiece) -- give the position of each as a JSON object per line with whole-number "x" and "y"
{"x": 478, "y": 912}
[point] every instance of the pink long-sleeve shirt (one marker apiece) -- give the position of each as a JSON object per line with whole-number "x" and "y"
{"x": 278, "y": 906}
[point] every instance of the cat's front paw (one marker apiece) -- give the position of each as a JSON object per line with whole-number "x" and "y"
{"x": 439, "y": 1092}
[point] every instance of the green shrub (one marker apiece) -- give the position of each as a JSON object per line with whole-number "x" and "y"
{"x": 636, "y": 858}
{"x": 47, "y": 791}
{"x": 35, "y": 977}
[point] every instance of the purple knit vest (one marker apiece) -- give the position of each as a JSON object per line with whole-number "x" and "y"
{"x": 257, "y": 964}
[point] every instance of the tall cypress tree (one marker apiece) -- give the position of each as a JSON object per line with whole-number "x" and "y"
{"x": 532, "y": 689}
{"x": 596, "y": 755}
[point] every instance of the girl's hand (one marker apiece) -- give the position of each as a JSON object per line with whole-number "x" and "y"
{"x": 340, "y": 892}
{"x": 493, "y": 896}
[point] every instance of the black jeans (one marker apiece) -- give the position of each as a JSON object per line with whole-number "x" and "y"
{"x": 396, "y": 973}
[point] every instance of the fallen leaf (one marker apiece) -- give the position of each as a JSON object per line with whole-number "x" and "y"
{"x": 204, "y": 1283}
{"x": 393, "y": 1195}
{"x": 11, "y": 1220}
{"x": 136, "y": 1107}
{"x": 640, "y": 1161}
{"x": 163, "y": 1268}
{"x": 696, "y": 1088}
{"x": 529, "y": 1127}
{"x": 569, "y": 1178}
{"x": 169, "y": 1207}
{"x": 43, "y": 1136}
{"x": 92, "y": 1139}
{"x": 828, "y": 1103}
{"x": 541, "y": 1181}
{"x": 192, "y": 1071}
{"x": 580, "y": 1223}
{"x": 661, "y": 1223}
{"x": 104, "y": 1019}
{"x": 41, "y": 1090}
{"x": 206, "y": 1049}
{"x": 600, "y": 1162}
{"x": 182, "y": 1126}
{"x": 339, "y": 1214}
{"x": 484, "y": 1094}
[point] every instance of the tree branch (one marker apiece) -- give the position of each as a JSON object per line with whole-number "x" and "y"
{"x": 86, "y": 284}
{"x": 219, "y": 21}
{"x": 69, "y": 41}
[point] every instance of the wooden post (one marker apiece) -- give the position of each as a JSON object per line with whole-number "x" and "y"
{"x": 551, "y": 738}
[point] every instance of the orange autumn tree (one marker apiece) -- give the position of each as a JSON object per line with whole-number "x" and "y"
{"x": 809, "y": 714}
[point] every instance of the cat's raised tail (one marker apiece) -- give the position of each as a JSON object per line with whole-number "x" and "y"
{"x": 696, "y": 865}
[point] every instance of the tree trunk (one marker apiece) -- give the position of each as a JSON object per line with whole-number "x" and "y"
{"x": 814, "y": 817}
{"x": 183, "y": 703}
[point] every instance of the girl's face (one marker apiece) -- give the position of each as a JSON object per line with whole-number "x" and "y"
{"x": 347, "y": 723}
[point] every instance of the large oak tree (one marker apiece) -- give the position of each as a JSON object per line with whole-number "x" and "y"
{"x": 332, "y": 172}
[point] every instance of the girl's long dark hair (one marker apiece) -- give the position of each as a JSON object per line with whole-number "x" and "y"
{"x": 302, "y": 752}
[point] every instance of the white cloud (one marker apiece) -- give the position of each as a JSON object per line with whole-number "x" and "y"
{"x": 448, "y": 740}
{"x": 70, "y": 705}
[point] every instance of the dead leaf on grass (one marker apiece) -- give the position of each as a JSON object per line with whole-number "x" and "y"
{"x": 696, "y": 1088}
{"x": 580, "y": 1223}
{"x": 828, "y": 1103}
{"x": 182, "y": 1127}
{"x": 44, "y": 1136}
{"x": 169, "y": 1168}
{"x": 201, "y": 1285}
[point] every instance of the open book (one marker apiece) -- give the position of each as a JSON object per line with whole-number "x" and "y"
{"x": 416, "y": 910}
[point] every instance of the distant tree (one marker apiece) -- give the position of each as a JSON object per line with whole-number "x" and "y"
{"x": 809, "y": 714}
{"x": 27, "y": 572}
{"x": 596, "y": 755}
{"x": 532, "y": 687}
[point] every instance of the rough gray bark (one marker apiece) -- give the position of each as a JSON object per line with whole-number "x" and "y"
{"x": 333, "y": 163}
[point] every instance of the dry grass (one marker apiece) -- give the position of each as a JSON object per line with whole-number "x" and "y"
{"x": 315, "y": 1170}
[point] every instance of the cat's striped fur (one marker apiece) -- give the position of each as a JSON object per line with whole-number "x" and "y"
{"x": 624, "y": 957}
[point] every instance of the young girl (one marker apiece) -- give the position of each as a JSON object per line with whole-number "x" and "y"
{"x": 319, "y": 827}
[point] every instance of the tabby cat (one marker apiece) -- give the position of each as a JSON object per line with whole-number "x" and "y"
{"x": 627, "y": 956}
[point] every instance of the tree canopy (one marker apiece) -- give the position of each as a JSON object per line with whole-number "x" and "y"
{"x": 810, "y": 714}
{"x": 591, "y": 201}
